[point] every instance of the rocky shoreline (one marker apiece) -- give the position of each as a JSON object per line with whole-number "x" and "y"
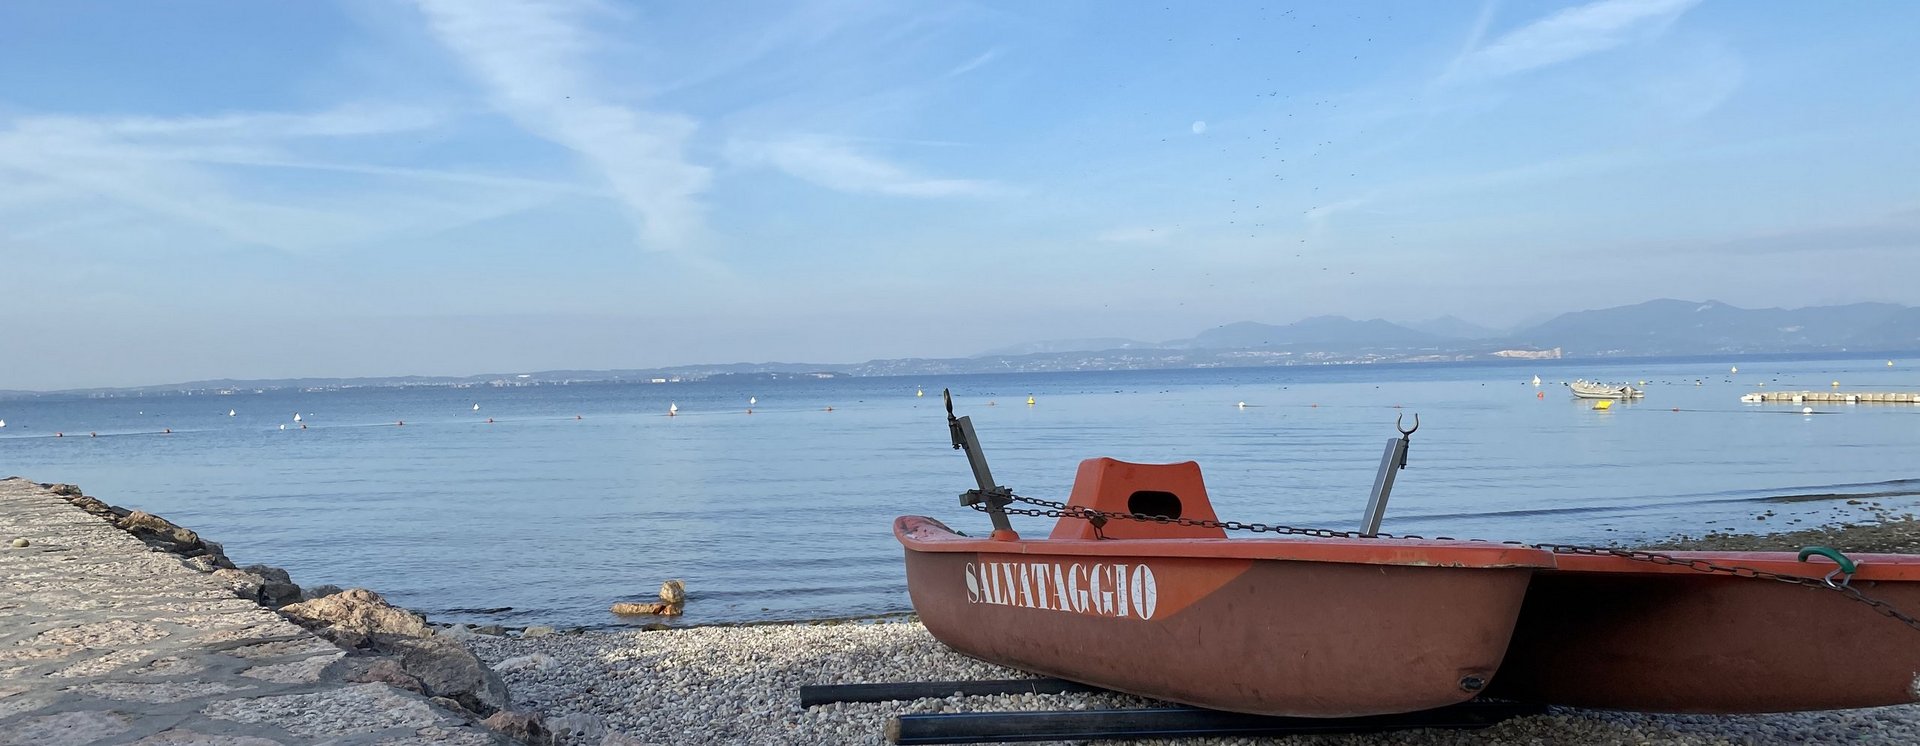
{"x": 708, "y": 684}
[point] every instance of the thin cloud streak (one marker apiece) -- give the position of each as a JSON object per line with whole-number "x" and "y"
{"x": 1568, "y": 35}
{"x": 531, "y": 57}
{"x": 836, "y": 166}
{"x": 157, "y": 174}
{"x": 973, "y": 64}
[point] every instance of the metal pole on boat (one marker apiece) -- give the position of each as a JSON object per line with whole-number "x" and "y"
{"x": 995, "y": 496}
{"x": 1391, "y": 462}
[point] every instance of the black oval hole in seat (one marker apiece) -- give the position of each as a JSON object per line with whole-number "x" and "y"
{"x": 1154, "y": 502}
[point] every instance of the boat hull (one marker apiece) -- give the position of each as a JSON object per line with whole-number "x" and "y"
{"x": 1612, "y": 633}
{"x": 1266, "y": 636}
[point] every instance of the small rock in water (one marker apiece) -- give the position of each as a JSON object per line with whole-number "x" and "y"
{"x": 673, "y": 592}
{"x": 661, "y": 609}
{"x": 21, "y": 543}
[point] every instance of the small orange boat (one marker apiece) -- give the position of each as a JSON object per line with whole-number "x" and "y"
{"x": 1303, "y": 627}
{"x": 1342, "y": 624}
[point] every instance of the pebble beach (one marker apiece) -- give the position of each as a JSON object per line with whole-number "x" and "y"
{"x": 741, "y": 684}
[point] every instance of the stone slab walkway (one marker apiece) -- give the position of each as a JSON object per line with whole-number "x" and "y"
{"x": 106, "y": 641}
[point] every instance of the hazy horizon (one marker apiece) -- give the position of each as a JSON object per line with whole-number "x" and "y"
{"x": 445, "y": 187}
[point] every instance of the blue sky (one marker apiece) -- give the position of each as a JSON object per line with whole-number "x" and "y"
{"x": 230, "y": 188}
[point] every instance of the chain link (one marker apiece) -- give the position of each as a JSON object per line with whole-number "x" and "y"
{"x": 1099, "y": 518}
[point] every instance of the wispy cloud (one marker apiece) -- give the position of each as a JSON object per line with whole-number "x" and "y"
{"x": 208, "y": 181}
{"x": 1567, "y": 35}
{"x": 532, "y": 57}
{"x": 836, "y": 165}
{"x": 973, "y": 64}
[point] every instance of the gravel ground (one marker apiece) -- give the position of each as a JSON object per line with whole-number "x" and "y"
{"x": 741, "y": 684}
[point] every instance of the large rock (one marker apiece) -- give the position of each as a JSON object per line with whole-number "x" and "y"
{"x": 447, "y": 669}
{"x": 523, "y": 726}
{"x": 360, "y": 611}
{"x": 673, "y": 592}
{"x": 384, "y": 671}
{"x": 158, "y": 531}
{"x": 63, "y": 490}
{"x": 319, "y": 591}
{"x": 277, "y": 588}
{"x": 267, "y": 586}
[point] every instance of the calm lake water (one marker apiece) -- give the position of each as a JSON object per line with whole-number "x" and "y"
{"x": 785, "y": 513}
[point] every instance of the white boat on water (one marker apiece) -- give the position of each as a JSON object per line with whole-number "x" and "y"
{"x": 1585, "y": 389}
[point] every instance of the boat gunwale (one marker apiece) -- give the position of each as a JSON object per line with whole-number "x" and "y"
{"x": 923, "y": 534}
{"x": 1875, "y": 567}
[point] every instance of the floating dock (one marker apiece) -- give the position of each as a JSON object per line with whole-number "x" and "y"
{"x": 1838, "y": 397}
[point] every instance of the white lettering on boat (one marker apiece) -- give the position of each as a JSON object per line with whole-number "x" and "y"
{"x": 1098, "y": 588}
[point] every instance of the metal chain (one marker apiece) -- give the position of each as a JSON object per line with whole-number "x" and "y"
{"x": 1056, "y": 509}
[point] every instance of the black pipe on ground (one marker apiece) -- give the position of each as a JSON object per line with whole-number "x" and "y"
{"x": 1175, "y": 722}
{"x": 820, "y": 694}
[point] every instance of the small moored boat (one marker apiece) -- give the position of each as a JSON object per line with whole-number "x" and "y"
{"x": 1585, "y": 389}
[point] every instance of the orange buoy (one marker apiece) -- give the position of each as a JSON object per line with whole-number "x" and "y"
{"x": 1541, "y": 395}
{"x": 489, "y": 420}
{"x": 576, "y": 416}
{"x": 829, "y": 409}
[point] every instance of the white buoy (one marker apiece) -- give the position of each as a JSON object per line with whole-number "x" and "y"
{"x": 296, "y": 416}
{"x": 752, "y": 400}
{"x": 3, "y": 423}
{"x": 1536, "y": 380}
{"x": 672, "y": 409}
{"x": 283, "y": 426}
{"x": 476, "y": 407}
{"x": 1243, "y": 405}
{"x": 231, "y": 413}
{"x": 1735, "y": 369}
{"x": 919, "y": 392}
{"x": 1806, "y": 410}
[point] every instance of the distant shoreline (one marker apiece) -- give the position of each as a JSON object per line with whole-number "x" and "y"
{"x": 696, "y": 375}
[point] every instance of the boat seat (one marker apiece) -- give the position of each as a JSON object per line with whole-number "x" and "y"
{"x": 1113, "y": 486}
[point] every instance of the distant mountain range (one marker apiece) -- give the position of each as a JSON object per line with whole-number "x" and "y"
{"x": 1656, "y": 327}
{"x": 1653, "y": 328}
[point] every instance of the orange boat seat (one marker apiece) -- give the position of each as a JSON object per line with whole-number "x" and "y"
{"x": 1113, "y": 486}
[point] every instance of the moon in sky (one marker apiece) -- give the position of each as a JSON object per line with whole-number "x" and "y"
{"x": 1200, "y": 128}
